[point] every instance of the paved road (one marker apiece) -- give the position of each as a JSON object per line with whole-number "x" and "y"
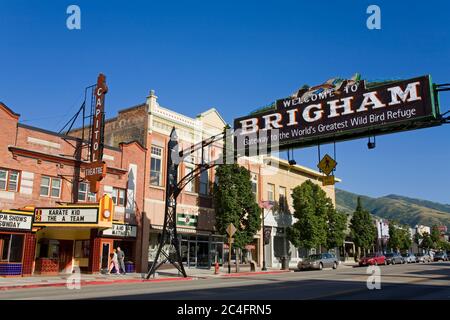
{"x": 413, "y": 281}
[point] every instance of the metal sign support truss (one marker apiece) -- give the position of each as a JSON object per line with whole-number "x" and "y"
{"x": 169, "y": 247}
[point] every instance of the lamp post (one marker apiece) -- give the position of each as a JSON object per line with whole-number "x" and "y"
{"x": 263, "y": 237}
{"x": 263, "y": 242}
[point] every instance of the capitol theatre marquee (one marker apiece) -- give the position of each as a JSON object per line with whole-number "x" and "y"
{"x": 335, "y": 114}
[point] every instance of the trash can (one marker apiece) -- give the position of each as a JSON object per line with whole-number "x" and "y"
{"x": 129, "y": 267}
{"x": 284, "y": 263}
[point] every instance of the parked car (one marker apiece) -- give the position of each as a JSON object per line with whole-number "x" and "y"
{"x": 372, "y": 259}
{"x": 442, "y": 255}
{"x": 394, "y": 258}
{"x": 409, "y": 257}
{"x": 319, "y": 261}
{"x": 423, "y": 257}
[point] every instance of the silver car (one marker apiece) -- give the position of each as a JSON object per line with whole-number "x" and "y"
{"x": 319, "y": 261}
{"x": 409, "y": 257}
{"x": 423, "y": 257}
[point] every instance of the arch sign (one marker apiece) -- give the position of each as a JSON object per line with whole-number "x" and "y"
{"x": 341, "y": 110}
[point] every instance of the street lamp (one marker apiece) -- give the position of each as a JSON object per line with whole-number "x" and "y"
{"x": 263, "y": 239}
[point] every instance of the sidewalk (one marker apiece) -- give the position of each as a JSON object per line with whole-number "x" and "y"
{"x": 223, "y": 272}
{"x": 9, "y": 283}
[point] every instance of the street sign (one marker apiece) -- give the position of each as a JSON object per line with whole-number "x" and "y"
{"x": 231, "y": 229}
{"x": 328, "y": 180}
{"x": 327, "y": 164}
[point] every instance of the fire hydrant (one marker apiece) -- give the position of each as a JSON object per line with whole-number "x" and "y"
{"x": 216, "y": 268}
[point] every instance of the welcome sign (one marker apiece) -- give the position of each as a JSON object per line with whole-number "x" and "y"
{"x": 334, "y": 115}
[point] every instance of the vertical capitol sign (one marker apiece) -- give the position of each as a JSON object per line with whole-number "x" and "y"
{"x": 96, "y": 170}
{"x": 98, "y": 123}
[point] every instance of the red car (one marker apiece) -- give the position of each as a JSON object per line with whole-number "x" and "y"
{"x": 372, "y": 259}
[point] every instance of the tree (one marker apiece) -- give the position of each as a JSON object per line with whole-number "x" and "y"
{"x": 418, "y": 238}
{"x": 362, "y": 229}
{"x": 444, "y": 245}
{"x": 426, "y": 243}
{"x": 406, "y": 238}
{"x": 235, "y": 203}
{"x": 337, "y": 223}
{"x": 399, "y": 236}
{"x": 395, "y": 236}
{"x": 435, "y": 235}
{"x": 311, "y": 208}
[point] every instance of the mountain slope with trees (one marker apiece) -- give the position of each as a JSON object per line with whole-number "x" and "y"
{"x": 394, "y": 207}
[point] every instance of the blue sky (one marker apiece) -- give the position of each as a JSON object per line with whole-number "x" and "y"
{"x": 235, "y": 56}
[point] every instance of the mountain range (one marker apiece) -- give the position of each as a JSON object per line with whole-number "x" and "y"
{"x": 406, "y": 210}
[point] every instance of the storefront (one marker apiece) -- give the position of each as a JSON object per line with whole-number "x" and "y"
{"x": 69, "y": 237}
{"x": 16, "y": 242}
{"x": 278, "y": 245}
{"x": 201, "y": 250}
{"x": 198, "y": 248}
{"x": 120, "y": 235}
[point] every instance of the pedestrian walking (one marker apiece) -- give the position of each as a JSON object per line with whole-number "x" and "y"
{"x": 114, "y": 263}
{"x": 121, "y": 259}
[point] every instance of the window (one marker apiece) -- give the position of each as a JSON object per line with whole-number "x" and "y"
{"x": 190, "y": 187}
{"x": 9, "y": 180}
{"x": 255, "y": 184}
{"x": 84, "y": 194}
{"x": 155, "y": 166}
{"x": 118, "y": 196}
{"x": 270, "y": 192}
{"x": 82, "y": 248}
{"x": 11, "y": 247}
{"x": 282, "y": 200}
{"x": 50, "y": 187}
{"x": 204, "y": 183}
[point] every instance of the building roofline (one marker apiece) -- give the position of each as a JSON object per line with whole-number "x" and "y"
{"x": 133, "y": 142}
{"x": 204, "y": 113}
{"x": 9, "y": 110}
{"x": 300, "y": 168}
{"x": 60, "y": 135}
{"x": 131, "y": 108}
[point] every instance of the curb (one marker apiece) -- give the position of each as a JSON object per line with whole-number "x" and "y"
{"x": 254, "y": 273}
{"x": 91, "y": 282}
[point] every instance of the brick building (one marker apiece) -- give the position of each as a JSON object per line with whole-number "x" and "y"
{"x": 39, "y": 168}
{"x": 150, "y": 124}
